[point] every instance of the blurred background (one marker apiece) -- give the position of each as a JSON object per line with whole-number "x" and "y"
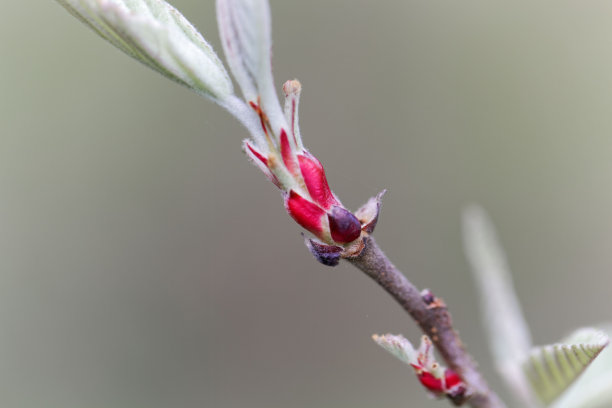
{"x": 146, "y": 263}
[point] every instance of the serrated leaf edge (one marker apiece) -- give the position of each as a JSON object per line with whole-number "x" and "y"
{"x": 553, "y": 368}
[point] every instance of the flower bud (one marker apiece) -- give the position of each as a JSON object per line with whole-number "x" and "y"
{"x": 301, "y": 177}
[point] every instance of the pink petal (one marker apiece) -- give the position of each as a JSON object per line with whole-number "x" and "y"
{"x": 305, "y": 213}
{"x": 287, "y": 153}
{"x": 316, "y": 182}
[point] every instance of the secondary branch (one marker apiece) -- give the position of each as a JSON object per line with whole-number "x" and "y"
{"x": 433, "y": 317}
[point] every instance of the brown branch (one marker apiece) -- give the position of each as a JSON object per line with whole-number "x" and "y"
{"x": 434, "y": 319}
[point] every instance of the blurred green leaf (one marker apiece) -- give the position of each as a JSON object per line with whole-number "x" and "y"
{"x": 552, "y": 369}
{"x": 594, "y": 388}
{"x": 509, "y": 336}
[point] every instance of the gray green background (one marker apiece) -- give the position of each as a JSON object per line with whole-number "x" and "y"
{"x": 145, "y": 263}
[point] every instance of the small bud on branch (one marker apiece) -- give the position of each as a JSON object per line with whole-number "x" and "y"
{"x": 438, "y": 380}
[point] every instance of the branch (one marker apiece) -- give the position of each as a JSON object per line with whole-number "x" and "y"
{"x": 434, "y": 319}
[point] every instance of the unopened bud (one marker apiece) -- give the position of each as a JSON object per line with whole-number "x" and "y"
{"x": 343, "y": 225}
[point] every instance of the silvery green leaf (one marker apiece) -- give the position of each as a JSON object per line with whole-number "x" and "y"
{"x": 509, "y": 337}
{"x": 399, "y": 346}
{"x": 594, "y": 388}
{"x": 244, "y": 26}
{"x": 156, "y": 34}
{"x": 552, "y": 369}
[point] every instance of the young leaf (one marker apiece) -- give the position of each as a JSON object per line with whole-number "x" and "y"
{"x": 594, "y": 388}
{"x": 509, "y": 336}
{"x": 399, "y": 346}
{"x": 552, "y": 369}
{"x": 156, "y": 34}
{"x": 244, "y": 26}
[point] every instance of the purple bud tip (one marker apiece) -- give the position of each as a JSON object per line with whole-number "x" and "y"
{"x": 344, "y": 226}
{"x": 427, "y": 296}
{"x": 326, "y": 254}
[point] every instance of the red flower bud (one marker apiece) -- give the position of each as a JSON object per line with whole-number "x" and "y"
{"x": 430, "y": 382}
{"x": 451, "y": 378}
{"x": 292, "y": 169}
{"x": 451, "y": 384}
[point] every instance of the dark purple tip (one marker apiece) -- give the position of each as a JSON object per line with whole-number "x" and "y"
{"x": 427, "y": 296}
{"x": 326, "y": 254}
{"x": 343, "y": 225}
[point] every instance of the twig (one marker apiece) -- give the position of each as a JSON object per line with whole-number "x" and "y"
{"x": 434, "y": 319}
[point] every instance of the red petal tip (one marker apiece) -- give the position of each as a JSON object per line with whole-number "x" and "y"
{"x": 255, "y": 154}
{"x": 305, "y": 213}
{"x": 316, "y": 182}
{"x": 287, "y": 153}
{"x": 261, "y": 161}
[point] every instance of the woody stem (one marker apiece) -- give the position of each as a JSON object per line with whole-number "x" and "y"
{"x": 434, "y": 319}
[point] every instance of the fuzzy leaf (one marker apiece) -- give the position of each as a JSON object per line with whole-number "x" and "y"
{"x": 509, "y": 336}
{"x": 244, "y": 26}
{"x": 594, "y": 388}
{"x": 399, "y": 346}
{"x": 156, "y": 34}
{"x": 552, "y": 369}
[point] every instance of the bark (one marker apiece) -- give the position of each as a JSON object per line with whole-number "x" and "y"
{"x": 432, "y": 315}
